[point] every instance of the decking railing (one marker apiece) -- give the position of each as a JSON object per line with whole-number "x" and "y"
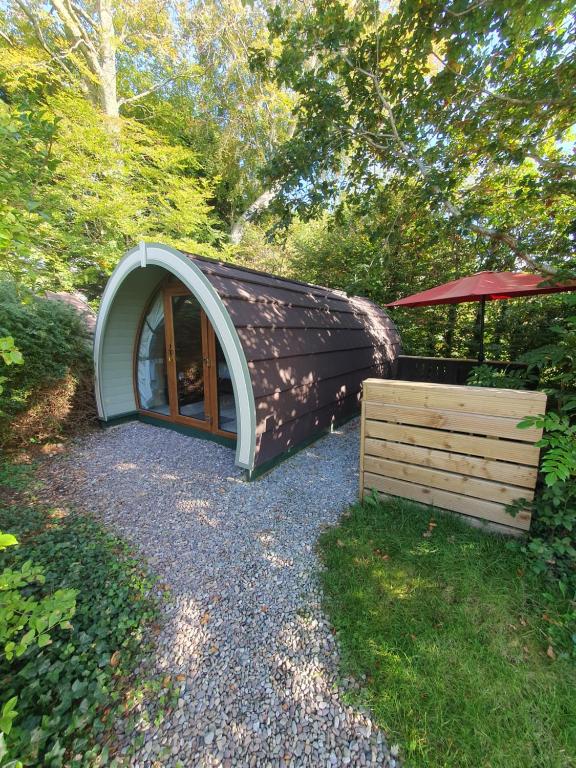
{"x": 445, "y": 370}
{"x": 455, "y": 447}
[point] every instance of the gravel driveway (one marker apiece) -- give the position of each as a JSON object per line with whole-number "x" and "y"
{"x": 244, "y": 631}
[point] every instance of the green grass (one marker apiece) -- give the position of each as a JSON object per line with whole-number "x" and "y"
{"x": 452, "y": 636}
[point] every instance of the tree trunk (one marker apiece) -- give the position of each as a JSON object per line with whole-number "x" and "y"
{"x": 108, "y": 79}
{"x": 255, "y": 209}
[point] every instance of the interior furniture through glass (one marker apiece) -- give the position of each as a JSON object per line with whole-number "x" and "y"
{"x": 181, "y": 371}
{"x": 189, "y": 357}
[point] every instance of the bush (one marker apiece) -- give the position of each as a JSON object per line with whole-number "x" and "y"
{"x": 53, "y": 342}
{"x": 550, "y": 548}
{"x": 488, "y": 376}
{"x": 63, "y": 693}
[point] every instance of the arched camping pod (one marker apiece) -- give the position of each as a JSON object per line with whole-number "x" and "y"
{"x": 262, "y": 361}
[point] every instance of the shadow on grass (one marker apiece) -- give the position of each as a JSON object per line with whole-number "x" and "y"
{"x": 448, "y": 630}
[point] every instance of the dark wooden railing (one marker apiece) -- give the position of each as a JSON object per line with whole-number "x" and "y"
{"x": 445, "y": 370}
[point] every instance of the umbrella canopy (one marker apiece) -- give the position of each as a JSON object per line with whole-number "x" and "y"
{"x": 483, "y": 287}
{"x": 489, "y": 286}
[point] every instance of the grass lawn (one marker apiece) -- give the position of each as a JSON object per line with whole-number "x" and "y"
{"x": 451, "y": 635}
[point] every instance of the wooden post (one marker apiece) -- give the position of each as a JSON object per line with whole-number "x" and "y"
{"x": 362, "y": 430}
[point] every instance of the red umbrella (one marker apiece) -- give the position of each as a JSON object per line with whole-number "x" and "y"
{"x": 482, "y": 287}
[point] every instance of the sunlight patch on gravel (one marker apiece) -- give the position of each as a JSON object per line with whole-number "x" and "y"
{"x": 243, "y": 628}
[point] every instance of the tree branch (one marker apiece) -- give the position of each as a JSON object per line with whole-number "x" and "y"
{"x": 260, "y": 204}
{"x": 425, "y": 171}
{"x": 83, "y": 15}
{"x": 502, "y": 96}
{"x": 40, "y": 36}
{"x": 7, "y": 38}
{"x": 75, "y": 31}
{"x": 148, "y": 91}
{"x": 458, "y": 14}
{"x": 553, "y": 165}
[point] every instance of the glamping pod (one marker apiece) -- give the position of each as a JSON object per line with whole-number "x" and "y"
{"x": 252, "y": 359}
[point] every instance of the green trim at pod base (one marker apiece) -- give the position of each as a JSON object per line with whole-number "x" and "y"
{"x": 229, "y": 442}
{"x": 122, "y": 418}
{"x": 254, "y": 474}
{"x": 183, "y": 429}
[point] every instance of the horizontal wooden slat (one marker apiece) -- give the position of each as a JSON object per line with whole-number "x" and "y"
{"x": 297, "y": 401}
{"x": 262, "y": 315}
{"x": 267, "y": 344}
{"x": 233, "y": 272}
{"x": 269, "y": 376}
{"x": 481, "y": 400}
{"x": 229, "y": 288}
{"x": 499, "y": 471}
{"x": 489, "y": 448}
{"x": 457, "y": 503}
{"x": 447, "y": 481}
{"x": 493, "y": 426}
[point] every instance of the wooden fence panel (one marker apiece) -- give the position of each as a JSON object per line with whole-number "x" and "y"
{"x": 455, "y": 447}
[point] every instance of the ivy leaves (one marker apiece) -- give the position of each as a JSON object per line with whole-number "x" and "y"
{"x": 76, "y": 610}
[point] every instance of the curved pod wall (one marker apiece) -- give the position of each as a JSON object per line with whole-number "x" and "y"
{"x": 297, "y": 353}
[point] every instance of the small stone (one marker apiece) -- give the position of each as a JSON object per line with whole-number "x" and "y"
{"x": 255, "y": 682}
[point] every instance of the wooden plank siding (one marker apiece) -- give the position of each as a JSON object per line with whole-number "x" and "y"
{"x": 308, "y": 349}
{"x": 455, "y": 447}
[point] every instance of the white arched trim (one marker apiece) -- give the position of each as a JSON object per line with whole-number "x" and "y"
{"x": 193, "y": 278}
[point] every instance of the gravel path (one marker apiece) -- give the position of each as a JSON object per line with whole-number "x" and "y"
{"x": 244, "y": 632}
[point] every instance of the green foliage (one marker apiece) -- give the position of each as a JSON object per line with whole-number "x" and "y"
{"x": 76, "y": 196}
{"x": 556, "y": 361}
{"x": 473, "y": 107}
{"x": 70, "y": 681}
{"x": 9, "y": 355}
{"x": 488, "y": 376}
{"x": 559, "y": 443}
{"x": 550, "y": 548}
{"x": 50, "y": 337}
{"x": 450, "y": 638}
{"x": 24, "y": 620}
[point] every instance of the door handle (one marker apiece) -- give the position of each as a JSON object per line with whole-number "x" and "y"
{"x": 170, "y": 353}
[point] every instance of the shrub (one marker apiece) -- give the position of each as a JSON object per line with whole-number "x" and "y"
{"x": 550, "y": 547}
{"x": 69, "y": 691}
{"x": 53, "y": 342}
{"x": 488, "y": 376}
{"x": 26, "y": 621}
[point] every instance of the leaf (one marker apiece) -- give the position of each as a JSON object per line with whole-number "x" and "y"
{"x": 9, "y": 713}
{"x": 550, "y": 652}
{"x": 44, "y": 640}
{"x": 7, "y": 540}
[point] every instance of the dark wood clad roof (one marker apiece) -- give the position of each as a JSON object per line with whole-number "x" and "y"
{"x": 308, "y": 350}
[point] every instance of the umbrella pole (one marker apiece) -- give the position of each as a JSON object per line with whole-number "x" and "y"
{"x": 481, "y": 349}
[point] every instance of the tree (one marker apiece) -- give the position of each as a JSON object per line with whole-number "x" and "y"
{"x": 88, "y": 39}
{"x": 472, "y": 100}
{"x": 188, "y": 66}
{"x": 247, "y": 116}
{"x": 76, "y": 195}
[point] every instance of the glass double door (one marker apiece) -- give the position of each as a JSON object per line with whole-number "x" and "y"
{"x": 182, "y": 374}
